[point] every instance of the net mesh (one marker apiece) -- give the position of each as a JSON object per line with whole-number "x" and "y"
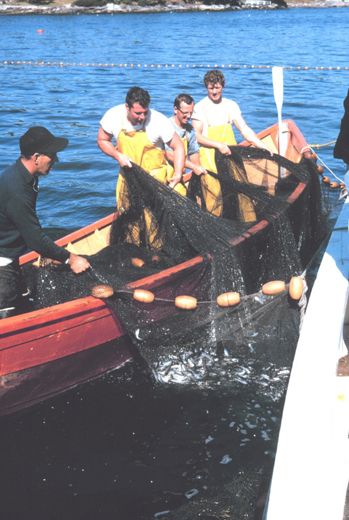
{"x": 271, "y": 221}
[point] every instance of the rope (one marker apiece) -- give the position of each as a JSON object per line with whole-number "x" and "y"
{"x": 324, "y": 145}
{"x": 302, "y": 304}
{"x": 325, "y": 166}
{"x": 166, "y": 65}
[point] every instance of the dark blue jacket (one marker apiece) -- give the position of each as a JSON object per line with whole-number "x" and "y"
{"x": 20, "y": 228}
{"x": 341, "y": 149}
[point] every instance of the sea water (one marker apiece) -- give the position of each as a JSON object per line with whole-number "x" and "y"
{"x": 123, "y": 448}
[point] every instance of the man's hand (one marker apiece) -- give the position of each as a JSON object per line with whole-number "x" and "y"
{"x": 199, "y": 170}
{"x": 123, "y": 160}
{"x": 224, "y": 149}
{"x": 174, "y": 181}
{"x": 78, "y": 264}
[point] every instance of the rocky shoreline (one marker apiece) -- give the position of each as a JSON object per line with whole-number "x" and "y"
{"x": 152, "y": 6}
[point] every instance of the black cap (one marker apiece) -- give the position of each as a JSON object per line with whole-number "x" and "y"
{"x": 39, "y": 140}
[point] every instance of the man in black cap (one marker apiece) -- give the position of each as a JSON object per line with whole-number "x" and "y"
{"x": 20, "y": 228}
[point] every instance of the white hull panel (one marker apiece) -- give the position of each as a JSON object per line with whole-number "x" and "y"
{"x": 311, "y": 470}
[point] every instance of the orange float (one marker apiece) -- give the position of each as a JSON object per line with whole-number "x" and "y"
{"x": 295, "y": 288}
{"x": 307, "y": 154}
{"x": 102, "y": 291}
{"x": 273, "y": 287}
{"x": 144, "y": 296}
{"x": 228, "y": 299}
{"x": 137, "y": 262}
{"x": 334, "y": 184}
{"x": 320, "y": 169}
{"x": 326, "y": 179}
{"x": 186, "y": 302}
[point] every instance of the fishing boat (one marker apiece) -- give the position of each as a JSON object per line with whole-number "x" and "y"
{"x": 50, "y": 350}
{"x": 310, "y": 477}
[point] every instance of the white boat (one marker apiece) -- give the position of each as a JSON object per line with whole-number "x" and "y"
{"x": 311, "y": 470}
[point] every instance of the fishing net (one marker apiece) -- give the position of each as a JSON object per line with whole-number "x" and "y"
{"x": 270, "y": 223}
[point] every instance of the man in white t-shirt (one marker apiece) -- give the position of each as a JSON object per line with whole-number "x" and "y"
{"x": 214, "y": 116}
{"x": 213, "y": 120}
{"x": 140, "y": 135}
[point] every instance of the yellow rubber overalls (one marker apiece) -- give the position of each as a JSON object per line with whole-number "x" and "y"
{"x": 138, "y": 147}
{"x": 211, "y": 187}
{"x": 141, "y": 151}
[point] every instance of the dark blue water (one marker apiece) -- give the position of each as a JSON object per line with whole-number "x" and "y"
{"x": 70, "y": 99}
{"x": 121, "y": 448}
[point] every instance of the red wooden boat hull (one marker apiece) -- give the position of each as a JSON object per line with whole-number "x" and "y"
{"x": 47, "y": 351}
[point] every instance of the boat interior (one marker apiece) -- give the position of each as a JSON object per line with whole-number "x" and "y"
{"x": 97, "y": 237}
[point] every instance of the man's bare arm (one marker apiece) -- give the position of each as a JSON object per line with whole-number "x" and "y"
{"x": 104, "y": 141}
{"x": 205, "y": 141}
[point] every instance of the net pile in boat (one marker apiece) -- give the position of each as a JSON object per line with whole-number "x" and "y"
{"x": 265, "y": 230}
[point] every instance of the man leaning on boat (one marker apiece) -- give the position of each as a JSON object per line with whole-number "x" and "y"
{"x": 183, "y": 107}
{"x": 341, "y": 148}
{"x": 213, "y": 119}
{"x": 20, "y": 228}
{"x": 141, "y": 134}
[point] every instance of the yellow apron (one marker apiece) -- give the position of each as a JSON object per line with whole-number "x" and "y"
{"x": 141, "y": 151}
{"x": 211, "y": 187}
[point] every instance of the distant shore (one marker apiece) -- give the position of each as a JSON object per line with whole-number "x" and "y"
{"x": 16, "y": 7}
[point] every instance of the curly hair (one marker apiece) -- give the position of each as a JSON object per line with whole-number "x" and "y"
{"x": 137, "y": 95}
{"x": 214, "y": 76}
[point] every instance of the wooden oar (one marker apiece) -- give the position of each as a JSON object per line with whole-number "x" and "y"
{"x": 278, "y": 86}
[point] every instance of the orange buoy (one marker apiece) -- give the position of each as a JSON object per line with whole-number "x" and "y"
{"x": 274, "y": 287}
{"x": 102, "y": 291}
{"x": 320, "y": 169}
{"x": 307, "y": 154}
{"x": 137, "y": 262}
{"x": 144, "y": 296}
{"x": 295, "y": 288}
{"x": 155, "y": 259}
{"x": 186, "y": 302}
{"x": 228, "y": 299}
{"x": 326, "y": 179}
{"x": 334, "y": 184}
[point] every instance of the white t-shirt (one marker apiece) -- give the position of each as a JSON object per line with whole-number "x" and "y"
{"x": 216, "y": 114}
{"x": 158, "y": 128}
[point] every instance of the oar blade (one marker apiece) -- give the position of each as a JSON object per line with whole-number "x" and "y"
{"x": 278, "y": 86}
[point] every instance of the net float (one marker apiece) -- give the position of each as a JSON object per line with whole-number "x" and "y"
{"x": 320, "y": 169}
{"x": 155, "y": 259}
{"x": 144, "y": 296}
{"x": 137, "y": 262}
{"x": 273, "y": 287}
{"x": 295, "y": 288}
{"x": 228, "y": 299}
{"x": 334, "y": 184}
{"x": 326, "y": 179}
{"x": 307, "y": 154}
{"x": 314, "y": 156}
{"x": 342, "y": 185}
{"x": 186, "y": 302}
{"x": 102, "y": 291}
